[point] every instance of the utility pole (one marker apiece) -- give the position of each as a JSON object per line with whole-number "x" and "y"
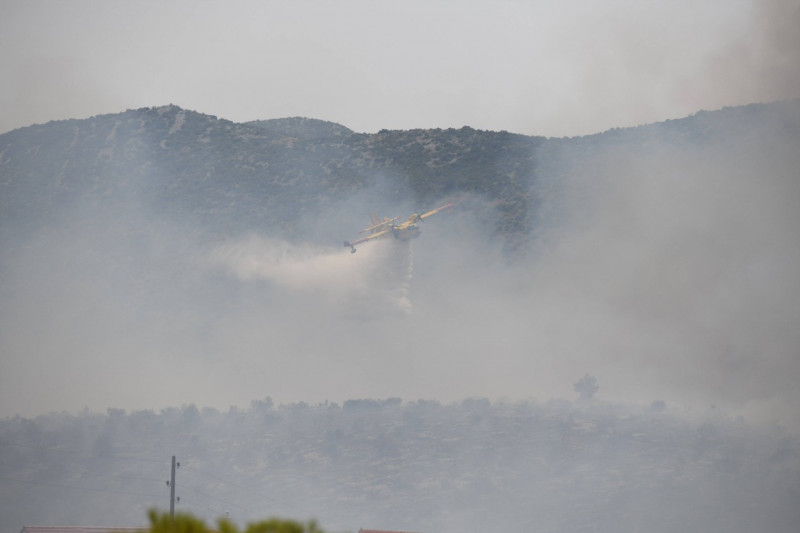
{"x": 171, "y": 484}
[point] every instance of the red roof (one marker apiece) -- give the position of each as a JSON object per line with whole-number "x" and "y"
{"x": 80, "y": 529}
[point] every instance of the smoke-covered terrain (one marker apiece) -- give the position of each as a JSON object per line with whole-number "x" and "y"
{"x": 421, "y": 465}
{"x": 160, "y": 259}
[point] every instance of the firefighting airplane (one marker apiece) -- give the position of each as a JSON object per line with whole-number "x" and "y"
{"x": 387, "y": 228}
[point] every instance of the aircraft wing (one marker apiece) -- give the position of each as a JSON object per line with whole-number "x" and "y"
{"x": 434, "y": 211}
{"x": 365, "y": 239}
{"x": 379, "y": 225}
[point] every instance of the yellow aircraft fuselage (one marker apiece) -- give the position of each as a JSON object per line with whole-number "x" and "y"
{"x": 407, "y": 233}
{"x": 404, "y": 231}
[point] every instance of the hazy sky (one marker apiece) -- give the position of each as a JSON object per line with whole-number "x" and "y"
{"x": 554, "y": 68}
{"x": 83, "y": 308}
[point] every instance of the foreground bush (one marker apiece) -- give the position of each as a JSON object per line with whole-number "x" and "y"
{"x": 161, "y": 522}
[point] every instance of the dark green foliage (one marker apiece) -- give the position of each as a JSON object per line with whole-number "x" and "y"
{"x": 302, "y": 128}
{"x": 586, "y": 387}
{"x": 162, "y": 522}
{"x": 274, "y": 525}
{"x": 180, "y": 523}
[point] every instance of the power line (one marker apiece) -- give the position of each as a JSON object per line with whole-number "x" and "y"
{"x": 74, "y": 487}
{"x": 119, "y": 475}
{"x": 91, "y": 455}
{"x": 120, "y": 457}
{"x": 241, "y": 487}
{"x": 220, "y": 500}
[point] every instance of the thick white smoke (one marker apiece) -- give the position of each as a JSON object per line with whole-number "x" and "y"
{"x": 372, "y": 283}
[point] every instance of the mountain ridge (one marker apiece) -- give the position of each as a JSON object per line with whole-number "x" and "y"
{"x": 237, "y": 176}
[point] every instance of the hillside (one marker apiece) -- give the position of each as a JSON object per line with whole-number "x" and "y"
{"x": 235, "y": 177}
{"x": 268, "y": 174}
